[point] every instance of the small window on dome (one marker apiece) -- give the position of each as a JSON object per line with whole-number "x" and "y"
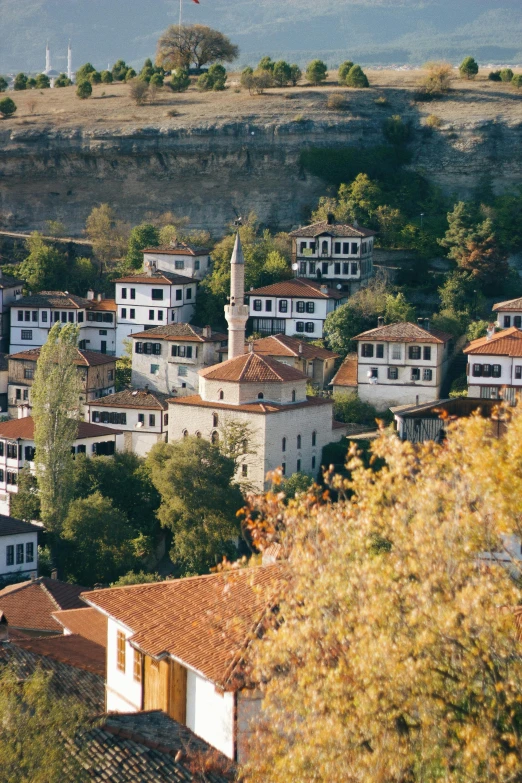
{"x": 221, "y": 394}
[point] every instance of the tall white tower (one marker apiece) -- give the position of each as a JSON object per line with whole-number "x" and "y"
{"x": 47, "y": 58}
{"x": 69, "y": 62}
{"x": 236, "y": 312}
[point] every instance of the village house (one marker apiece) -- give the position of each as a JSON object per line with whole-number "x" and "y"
{"x": 167, "y": 358}
{"x": 4, "y": 380}
{"x": 140, "y": 414}
{"x": 32, "y": 318}
{"x": 96, "y": 371}
{"x": 402, "y": 363}
{"x": 29, "y": 606}
{"x": 18, "y": 548}
{"x": 17, "y": 450}
{"x": 318, "y": 364}
{"x": 10, "y": 290}
{"x": 345, "y": 379}
{"x": 430, "y": 420}
{"x": 178, "y": 646}
{"x": 495, "y": 365}
{"x": 179, "y": 258}
{"x": 509, "y": 313}
{"x": 296, "y": 307}
{"x": 338, "y": 253}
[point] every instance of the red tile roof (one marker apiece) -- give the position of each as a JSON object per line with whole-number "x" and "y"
{"x": 405, "y": 332}
{"x": 86, "y": 622}
{"x": 53, "y": 299}
{"x": 178, "y": 249}
{"x": 283, "y": 345}
{"x": 204, "y": 621}
{"x": 103, "y": 304}
{"x": 347, "y": 373}
{"x": 9, "y": 526}
{"x": 83, "y": 358}
{"x": 262, "y": 408}
{"x": 298, "y": 287}
{"x": 23, "y": 429}
{"x": 157, "y": 278}
{"x": 128, "y": 398}
{"x": 334, "y": 229}
{"x": 180, "y": 332}
{"x": 30, "y": 605}
{"x": 252, "y": 368}
{"x": 508, "y": 342}
{"x": 510, "y": 304}
{"x": 73, "y": 649}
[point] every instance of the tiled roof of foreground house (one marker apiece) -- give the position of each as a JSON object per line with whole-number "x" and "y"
{"x": 71, "y": 649}
{"x": 204, "y": 621}
{"x": 263, "y": 407}
{"x": 24, "y": 429}
{"x": 307, "y": 289}
{"x": 85, "y": 622}
{"x": 334, "y": 229}
{"x": 67, "y": 680}
{"x": 507, "y": 342}
{"x": 180, "y": 331}
{"x": 405, "y": 332}
{"x": 347, "y": 373}
{"x": 283, "y": 345}
{"x": 129, "y": 398}
{"x": 64, "y": 301}
{"x": 149, "y": 747}
{"x": 83, "y": 358}
{"x": 158, "y": 278}
{"x": 252, "y": 368}
{"x": 509, "y": 304}
{"x": 30, "y": 605}
{"x": 178, "y": 249}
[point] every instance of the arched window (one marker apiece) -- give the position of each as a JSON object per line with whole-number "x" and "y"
{"x": 221, "y": 394}
{"x": 185, "y": 433}
{"x": 325, "y": 247}
{"x": 283, "y": 444}
{"x": 314, "y": 438}
{"x": 260, "y": 396}
{"x": 215, "y": 438}
{"x": 245, "y": 446}
{"x": 198, "y": 434}
{"x": 298, "y": 441}
{"x": 215, "y": 420}
{"x": 293, "y": 395}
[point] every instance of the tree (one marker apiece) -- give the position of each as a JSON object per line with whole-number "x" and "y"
{"x": 42, "y": 82}
{"x": 394, "y": 655}
{"x": 63, "y": 81}
{"x": 358, "y": 315}
{"x": 139, "y": 91}
{"x": 20, "y": 82}
{"x": 124, "y": 367}
{"x": 84, "y": 90}
{"x": 130, "y": 75}
{"x": 437, "y": 80}
{"x": 147, "y": 72}
{"x": 468, "y": 68}
{"x": 37, "y": 727}
{"x": 256, "y": 82}
{"x": 517, "y": 81}
{"x": 195, "y": 45}
{"x": 398, "y": 309}
{"x": 494, "y": 76}
{"x": 31, "y": 83}
{"x": 266, "y": 64}
{"x": 4, "y": 84}
{"x": 344, "y": 70}
{"x": 179, "y": 80}
{"x": 214, "y": 79}
{"x": 396, "y": 131}
{"x": 106, "y": 77}
{"x": 350, "y": 408}
{"x": 199, "y": 502}
{"x": 296, "y": 484}
{"x": 119, "y": 69}
{"x": 295, "y": 74}
{"x": 356, "y": 77}
{"x": 139, "y": 578}
{"x": 83, "y": 72}
{"x": 95, "y": 77}
{"x": 281, "y": 73}
{"x": 107, "y": 234}
{"x": 506, "y": 75}
{"x": 142, "y": 236}
{"x": 461, "y": 294}
{"x": 316, "y": 72}
{"x": 25, "y": 503}
{"x": 45, "y": 267}
{"x": 7, "y": 107}
{"x": 55, "y": 397}
{"x": 156, "y": 80}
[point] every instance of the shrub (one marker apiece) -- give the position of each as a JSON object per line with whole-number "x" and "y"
{"x": 63, "y": 81}
{"x": 344, "y": 70}
{"x": 139, "y": 91}
{"x": 476, "y": 329}
{"x": 119, "y": 69}
{"x": 494, "y": 76}
{"x": 31, "y": 84}
{"x": 266, "y": 64}
{"x": 356, "y": 77}
{"x": 84, "y": 89}
{"x": 396, "y": 131}
{"x": 156, "y": 80}
{"x": 3, "y": 84}
{"x": 517, "y": 81}
{"x": 172, "y": 113}
{"x": 256, "y": 82}
{"x": 316, "y": 72}
{"x": 42, "y": 82}
{"x": 214, "y": 79}
{"x": 459, "y": 387}
{"x": 337, "y": 101}
{"x": 82, "y": 74}
{"x": 20, "y": 82}
{"x": 506, "y": 74}
{"x": 350, "y": 408}
{"x": 179, "y": 80}
{"x": 468, "y": 68}
{"x": 437, "y": 80}
{"x": 432, "y": 121}
{"x": 106, "y": 77}
{"x": 7, "y": 107}
{"x": 95, "y": 77}
{"x": 295, "y": 74}
{"x": 381, "y": 101}
{"x": 130, "y": 75}
{"x": 281, "y": 73}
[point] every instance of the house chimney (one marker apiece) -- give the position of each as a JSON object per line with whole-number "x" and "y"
{"x": 420, "y": 322}
{"x": 300, "y": 348}
{"x": 54, "y": 573}
{"x": 251, "y": 347}
{"x": 490, "y": 331}
{"x": 24, "y": 411}
{"x": 324, "y": 289}
{"x": 90, "y": 294}
{"x": 99, "y": 297}
{"x": 146, "y": 389}
{"x": 207, "y": 331}
{"x": 330, "y": 219}
{"x": 427, "y": 324}
{"x": 380, "y": 321}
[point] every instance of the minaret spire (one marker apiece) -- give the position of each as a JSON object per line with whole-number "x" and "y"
{"x": 69, "y": 61}
{"x": 236, "y": 312}
{"x": 47, "y": 58}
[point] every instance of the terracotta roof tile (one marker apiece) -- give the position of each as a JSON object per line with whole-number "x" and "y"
{"x": 261, "y": 408}
{"x": 128, "y": 398}
{"x": 10, "y": 526}
{"x": 204, "y": 621}
{"x": 72, "y": 649}
{"x": 102, "y": 304}
{"x": 53, "y": 299}
{"x": 30, "y": 605}
{"x": 178, "y": 249}
{"x": 509, "y": 304}
{"x": 158, "y": 278}
{"x": 405, "y": 332}
{"x": 298, "y": 287}
{"x": 10, "y": 282}
{"x": 24, "y": 429}
{"x": 86, "y": 622}
{"x": 334, "y": 229}
{"x": 283, "y": 345}
{"x": 83, "y": 358}
{"x": 180, "y": 331}
{"x": 508, "y": 342}
{"x": 347, "y": 373}
{"x": 252, "y": 368}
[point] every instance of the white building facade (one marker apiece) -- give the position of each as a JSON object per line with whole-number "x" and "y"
{"x": 18, "y": 548}
{"x": 509, "y": 313}
{"x": 10, "y": 290}
{"x": 495, "y": 365}
{"x": 179, "y": 258}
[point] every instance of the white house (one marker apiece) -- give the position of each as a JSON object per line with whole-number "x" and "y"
{"x": 10, "y": 291}
{"x": 167, "y": 358}
{"x": 293, "y": 307}
{"x": 152, "y": 298}
{"x": 316, "y": 363}
{"x": 495, "y": 365}
{"x": 338, "y": 253}
{"x": 179, "y": 258}
{"x": 4, "y": 382}
{"x": 345, "y": 379}
{"x": 178, "y": 646}
{"x": 401, "y": 363}
{"x": 33, "y": 316}
{"x": 17, "y": 449}
{"x": 18, "y": 548}
{"x": 141, "y": 415}
{"x": 509, "y": 313}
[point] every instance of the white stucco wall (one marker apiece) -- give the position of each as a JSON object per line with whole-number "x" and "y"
{"x": 20, "y": 568}
{"x": 123, "y": 693}
{"x": 210, "y": 713}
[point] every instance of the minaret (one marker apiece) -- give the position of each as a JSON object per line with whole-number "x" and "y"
{"x": 69, "y": 61}
{"x": 236, "y": 312}
{"x": 47, "y": 58}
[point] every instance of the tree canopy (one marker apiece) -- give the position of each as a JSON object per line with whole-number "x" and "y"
{"x": 194, "y": 45}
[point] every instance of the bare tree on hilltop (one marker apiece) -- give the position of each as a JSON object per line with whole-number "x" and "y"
{"x": 195, "y": 44}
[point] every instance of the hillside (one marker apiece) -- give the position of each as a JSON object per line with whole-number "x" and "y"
{"x": 370, "y": 31}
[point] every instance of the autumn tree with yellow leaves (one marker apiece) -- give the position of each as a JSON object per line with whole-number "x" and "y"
{"x": 393, "y": 655}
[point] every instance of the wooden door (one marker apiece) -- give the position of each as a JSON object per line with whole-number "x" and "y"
{"x": 178, "y": 692}
{"x": 156, "y": 684}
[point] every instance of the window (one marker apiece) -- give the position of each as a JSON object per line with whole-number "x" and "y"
{"x": 496, "y": 371}
{"x": 81, "y": 448}
{"x": 29, "y": 373}
{"x": 132, "y": 313}
{"x": 283, "y": 468}
{"x": 283, "y": 306}
{"x": 324, "y": 267}
{"x": 123, "y": 293}
{"x": 244, "y": 470}
{"x": 337, "y": 269}
{"x": 1, "y": 448}
{"x": 179, "y": 263}
{"x": 507, "y": 321}
{"x": 268, "y": 305}
{"x": 18, "y": 394}
{"x": 300, "y": 307}
{"x": 313, "y": 463}
{"x": 299, "y": 440}
{"x": 517, "y": 321}
{"x": 414, "y": 352}
{"x": 257, "y": 305}
{"x": 27, "y": 315}
{"x": 302, "y": 267}
{"x": 20, "y": 315}
{"x": 283, "y": 444}
{"x": 374, "y": 372}
{"x": 427, "y": 354}
{"x": 56, "y": 317}
{"x": 312, "y": 247}
{"x": 80, "y": 317}
{"x": 133, "y": 293}
{"x": 137, "y": 666}
{"x": 396, "y": 352}
{"x": 393, "y": 373}
{"x": 139, "y": 348}
{"x": 309, "y": 327}
{"x": 189, "y": 293}
{"x": 260, "y": 396}
{"x": 34, "y": 315}
{"x": 346, "y": 248}
{"x": 346, "y": 268}
{"x": 141, "y": 418}
{"x": 182, "y": 370}
{"x": 221, "y": 395}
{"x": 311, "y": 267}
{"x": 29, "y": 453}
{"x": 179, "y": 295}
{"x": 293, "y": 395}
{"x": 354, "y": 249}
{"x": 415, "y": 374}
{"x": 196, "y": 265}
{"x": 154, "y": 369}
{"x": 27, "y": 334}
{"x": 367, "y": 350}
{"x": 124, "y": 312}
{"x": 310, "y": 307}
{"x": 63, "y": 318}
{"x": 324, "y": 247}
{"x": 120, "y": 651}
{"x": 215, "y": 420}
{"x": 151, "y": 315}
{"x": 477, "y": 370}
{"x": 486, "y": 370}
{"x": 9, "y": 555}
{"x": 152, "y": 419}
{"x": 518, "y": 372}
{"x": 26, "y": 394}
{"x": 12, "y": 451}
{"x": 214, "y": 438}
{"x": 364, "y": 247}
{"x": 337, "y": 248}
{"x": 314, "y": 438}
{"x": 44, "y": 316}
{"x": 303, "y": 247}
{"x": 160, "y": 315}
{"x": 71, "y": 318}
{"x": 299, "y": 326}
{"x": 102, "y": 332}
{"x": 19, "y": 554}
{"x": 157, "y": 294}
{"x": 379, "y": 351}
{"x": 427, "y": 375}
{"x": 355, "y": 269}
{"x": 29, "y": 552}
{"x": 1, "y": 475}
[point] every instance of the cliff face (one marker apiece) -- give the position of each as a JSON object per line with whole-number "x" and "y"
{"x": 214, "y": 171}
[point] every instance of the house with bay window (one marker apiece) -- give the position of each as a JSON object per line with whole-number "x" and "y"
{"x": 402, "y": 363}
{"x": 296, "y": 307}
{"x": 179, "y": 258}
{"x": 509, "y": 313}
{"x": 495, "y": 365}
{"x": 339, "y": 254}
